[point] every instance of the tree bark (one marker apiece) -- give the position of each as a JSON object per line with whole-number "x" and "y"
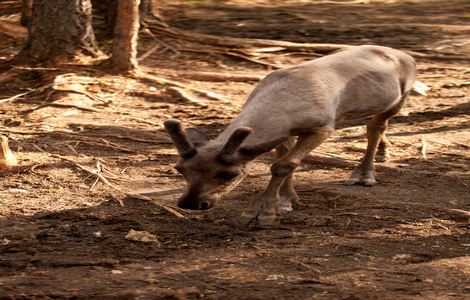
{"x": 126, "y": 31}
{"x": 26, "y": 11}
{"x": 60, "y": 30}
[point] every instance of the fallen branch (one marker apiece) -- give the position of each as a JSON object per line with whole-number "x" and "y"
{"x": 220, "y": 77}
{"x": 436, "y": 56}
{"x": 237, "y": 54}
{"x": 234, "y": 42}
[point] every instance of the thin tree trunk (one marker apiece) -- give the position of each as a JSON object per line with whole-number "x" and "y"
{"x": 26, "y": 11}
{"x": 126, "y": 31}
{"x": 59, "y": 30}
{"x": 146, "y": 11}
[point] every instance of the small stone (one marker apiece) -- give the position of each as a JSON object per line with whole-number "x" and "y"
{"x": 141, "y": 236}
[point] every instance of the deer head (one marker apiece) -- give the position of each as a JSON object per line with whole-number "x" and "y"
{"x": 210, "y": 168}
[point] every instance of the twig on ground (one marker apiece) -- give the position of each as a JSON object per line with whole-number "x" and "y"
{"x": 87, "y": 136}
{"x": 161, "y": 205}
{"x": 147, "y": 122}
{"x": 165, "y": 81}
{"x": 83, "y": 168}
{"x": 59, "y": 105}
{"x": 462, "y": 182}
{"x": 103, "y": 179}
{"x": 89, "y": 95}
{"x": 38, "y": 90}
{"x": 181, "y": 94}
{"x": 13, "y": 98}
{"x": 459, "y": 212}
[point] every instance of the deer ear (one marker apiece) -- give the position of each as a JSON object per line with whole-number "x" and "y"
{"x": 197, "y": 136}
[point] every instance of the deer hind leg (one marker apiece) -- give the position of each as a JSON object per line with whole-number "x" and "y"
{"x": 364, "y": 172}
{"x": 263, "y": 210}
{"x": 383, "y": 154}
{"x": 287, "y": 193}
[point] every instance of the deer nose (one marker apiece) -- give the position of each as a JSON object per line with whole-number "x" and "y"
{"x": 205, "y": 205}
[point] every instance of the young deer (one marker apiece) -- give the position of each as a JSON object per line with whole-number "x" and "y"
{"x": 304, "y": 102}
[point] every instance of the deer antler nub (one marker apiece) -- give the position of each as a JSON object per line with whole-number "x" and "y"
{"x": 234, "y": 142}
{"x": 183, "y": 145}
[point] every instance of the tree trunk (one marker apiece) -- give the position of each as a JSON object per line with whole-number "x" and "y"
{"x": 60, "y": 30}
{"x": 146, "y": 11}
{"x": 105, "y": 9}
{"x": 126, "y": 31}
{"x": 26, "y": 11}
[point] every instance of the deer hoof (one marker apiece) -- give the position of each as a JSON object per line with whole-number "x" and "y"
{"x": 369, "y": 181}
{"x": 382, "y": 157}
{"x": 266, "y": 220}
{"x": 352, "y": 181}
{"x": 256, "y": 220}
{"x": 285, "y": 207}
{"x": 246, "y": 219}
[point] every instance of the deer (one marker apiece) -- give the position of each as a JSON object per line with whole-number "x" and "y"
{"x": 293, "y": 111}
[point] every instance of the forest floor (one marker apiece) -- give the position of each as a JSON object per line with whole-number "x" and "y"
{"x": 63, "y": 233}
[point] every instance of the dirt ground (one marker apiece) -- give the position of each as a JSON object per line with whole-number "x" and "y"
{"x": 63, "y": 235}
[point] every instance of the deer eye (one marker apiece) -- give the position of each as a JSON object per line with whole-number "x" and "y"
{"x": 226, "y": 176}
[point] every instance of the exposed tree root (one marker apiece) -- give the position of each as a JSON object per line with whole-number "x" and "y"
{"x": 164, "y": 81}
{"x": 7, "y": 158}
{"x": 13, "y": 30}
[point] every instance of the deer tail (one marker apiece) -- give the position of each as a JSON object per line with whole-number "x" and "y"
{"x": 420, "y": 88}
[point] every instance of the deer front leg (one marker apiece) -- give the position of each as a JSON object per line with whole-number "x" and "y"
{"x": 288, "y": 195}
{"x": 264, "y": 209}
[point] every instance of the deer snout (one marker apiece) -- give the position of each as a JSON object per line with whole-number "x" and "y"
{"x": 194, "y": 205}
{"x": 194, "y": 201}
{"x": 205, "y": 205}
